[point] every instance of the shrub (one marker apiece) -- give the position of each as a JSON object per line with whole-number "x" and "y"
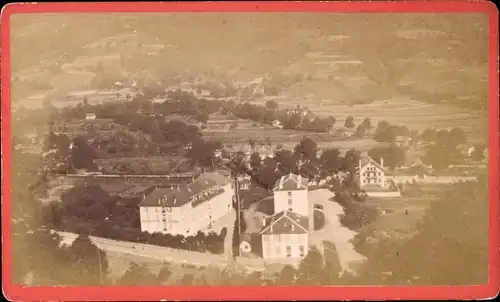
{"x": 319, "y": 220}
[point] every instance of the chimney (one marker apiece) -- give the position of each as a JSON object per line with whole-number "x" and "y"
{"x": 299, "y": 180}
{"x": 382, "y": 162}
{"x": 264, "y": 221}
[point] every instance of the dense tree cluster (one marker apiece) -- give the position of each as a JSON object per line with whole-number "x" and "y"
{"x": 302, "y": 160}
{"x": 38, "y": 252}
{"x": 385, "y": 132}
{"x": 393, "y": 155}
{"x": 299, "y": 119}
{"x": 443, "y": 149}
{"x": 462, "y": 239}
{"x": 355, "y": 214}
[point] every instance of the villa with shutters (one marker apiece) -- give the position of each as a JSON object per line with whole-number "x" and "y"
{"x": 374, "y": 179}
{"x": 185, "y": 210}
{"x": 285, "y": 234}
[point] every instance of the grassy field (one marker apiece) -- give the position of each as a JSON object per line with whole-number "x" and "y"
{"x": 401, "y": 215}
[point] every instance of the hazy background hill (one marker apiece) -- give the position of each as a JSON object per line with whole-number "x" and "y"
{"x": 433, "y": 57}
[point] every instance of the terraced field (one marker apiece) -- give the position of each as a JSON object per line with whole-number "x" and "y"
{"x": 404, "y": 111}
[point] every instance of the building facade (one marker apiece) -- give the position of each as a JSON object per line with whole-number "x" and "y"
{"x": 187, "y": 209}
{"x": 290, "y": 194}
{"x": 285, "y": 235}
{"x": 371, "y": 173}
{"x": 375, "y": 180}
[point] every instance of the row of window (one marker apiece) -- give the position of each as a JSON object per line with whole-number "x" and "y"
{"x": 279, "y": 237}
{"x": 372, "y": 174}
{"x": 288, "y": 251}
{"x": 369, "y": 181}
{"x": 157, "y": 210}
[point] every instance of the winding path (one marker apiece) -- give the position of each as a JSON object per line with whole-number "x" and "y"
{"x": 334, "y": 231}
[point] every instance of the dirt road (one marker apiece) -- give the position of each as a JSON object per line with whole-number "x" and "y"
{"x": 334, "y": 231}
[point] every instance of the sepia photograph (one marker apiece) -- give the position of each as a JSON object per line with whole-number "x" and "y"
{"x": 249, "y": 149}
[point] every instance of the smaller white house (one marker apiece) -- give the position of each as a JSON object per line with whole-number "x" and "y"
{"x": 90, "y": 116}
{"x": 402, "y": 141}
{"x": 245, "y": 184}
{"x": 277, "y": 124}
{"x": 285, "y": 236}
{"x": 372, "y": 177}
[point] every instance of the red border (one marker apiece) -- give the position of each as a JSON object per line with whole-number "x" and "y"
{"x": 14, "y": 292}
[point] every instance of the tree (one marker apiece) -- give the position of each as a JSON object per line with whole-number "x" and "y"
{"x": 462, "y": 238}
{"x": 306, "y": 149}
{"x": 287, "y": 276}
{"x": 255, "y": 161}
{"x": 86, "y": 101}
{"x": 90, "y": 264}
{"x": 203, "y": 152}
{"x": 267, "y": 177}
{"x": 429, "y": 135}
{"x": 349, "y": 122}
{"x": 164, "y": 274}
{"x": 438, "y": 156}
{"x": 292, "y": 122}
{"x": 360, "y": 131}
{"x": 137, "y": 275}
{"x": 393, "y": 155}
{"x": 457, "y": 136}
{"x": 442, "y": 137}
{"x": 272, "y": 105}
{"x": 367, "y": 123}
{"x": 187, "y": 279}
{"x": 202, "y": 117}
{"x": 310, "y": 268}
{"x": 330, "y": 160}
{"x": 478, "y": 152}
{"x": 251, "y": 143}
{"x": 331, "y": 120}
{"x": 82, "y": 154}
{"x": 287, "y": 162}
{"x": 382, "y": 125}
{"x": 351, "y": 160}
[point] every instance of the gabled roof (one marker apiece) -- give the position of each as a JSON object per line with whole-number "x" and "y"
{"x": 367, "y": 160}
{"x": 285, "y": 222}
{"x": 181, "y": 195}
{"x": 291, "y": 182}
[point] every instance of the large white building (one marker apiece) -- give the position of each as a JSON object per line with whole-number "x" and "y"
{"x": 285, "y": 234}
{"x": 187, "y": 209}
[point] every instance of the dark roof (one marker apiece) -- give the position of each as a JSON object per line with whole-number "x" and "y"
{"x": 291, "y": 182}
{"x": 181, "y": 195}
{"x": 137, "y": 191}
{"x": 115, "y": 188}
{"x": 286, "y": 222}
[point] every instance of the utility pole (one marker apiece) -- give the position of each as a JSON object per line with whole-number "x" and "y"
{"x": 100, "y": 265}
{"x": 238, "y": 210}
